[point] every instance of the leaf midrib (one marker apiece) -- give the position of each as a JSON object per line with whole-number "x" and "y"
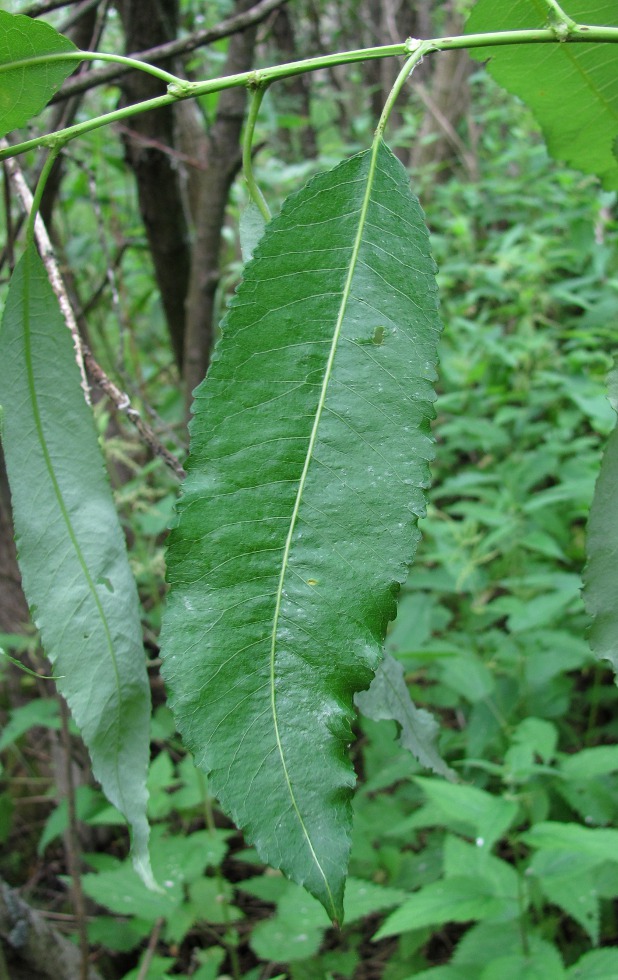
{"x": 298, "y": 500}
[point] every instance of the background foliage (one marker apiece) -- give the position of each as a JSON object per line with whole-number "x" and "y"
{"x": 509, "y": 872}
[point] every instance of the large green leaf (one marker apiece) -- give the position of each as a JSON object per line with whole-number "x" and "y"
{"x": 458, "y": 899}
{"x": 600, "y": 575}
{"x": 26, "y": 89}
{"x": 298, "y": 521}
{"x": 72, "y": 553}
{"x": 572, "y": 88}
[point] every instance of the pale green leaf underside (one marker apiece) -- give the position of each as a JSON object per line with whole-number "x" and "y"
{"x": 297, "y": 524}
{"x": 600, "y": 575}
{"x": 72, "y": 554}
{"x": 24, "y": 91}
{"x": 388, "y": 699}
{"x": 571, "y": 88}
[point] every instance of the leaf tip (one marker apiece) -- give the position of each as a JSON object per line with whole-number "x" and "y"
{"x": 141, "y": 864}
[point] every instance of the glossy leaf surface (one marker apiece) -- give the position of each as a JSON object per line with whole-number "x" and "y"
{"x": 26, "y": 89}
{"x": 572, "y": 88}
{"x": 297, "y": 524}
{"x": 600, "y": 578}
{"x": 71, "y": 548}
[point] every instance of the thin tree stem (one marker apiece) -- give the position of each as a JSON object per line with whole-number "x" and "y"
{"x": 83, "y": 356}
{"x": 415, "y": 58}
{"x": 150, "y": 950}
{"x": 247, "y": 161}
{"x": 181, "y": 89}
{"x": 39, "y": 191}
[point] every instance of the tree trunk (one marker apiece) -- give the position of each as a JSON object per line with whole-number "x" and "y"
{"x": 149, "y": 142}
{"x": 220, "y": 151}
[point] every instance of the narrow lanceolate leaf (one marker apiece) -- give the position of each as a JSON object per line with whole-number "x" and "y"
{"x": 388, "y": 699}
{"x": 71, "y": 548}
{"x": 571, "y": 88}
{"x": 298, "y": 521}
{"x": 27, "y": 88}
{"x": 600, "y": 576}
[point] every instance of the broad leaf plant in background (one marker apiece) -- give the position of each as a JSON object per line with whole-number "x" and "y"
{"x": 310, "y": 447}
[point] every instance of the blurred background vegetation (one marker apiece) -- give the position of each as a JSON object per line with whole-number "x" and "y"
{"x": 514, "y": 871}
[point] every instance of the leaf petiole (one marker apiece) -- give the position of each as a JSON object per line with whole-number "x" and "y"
{"x": 27, "y": 670}
{"x": 257, "y": 197}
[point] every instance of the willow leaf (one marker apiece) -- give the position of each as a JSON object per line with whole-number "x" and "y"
{"x": 26, "y": 89}
{"x": 297, "y": 524}
{"x": 600, "y": 578}
{"x": 572, "y": 89}
{"x": 71, "y": 548}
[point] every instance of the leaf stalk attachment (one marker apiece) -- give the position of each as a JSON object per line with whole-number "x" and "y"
{"x": 419, "y": 50}
{"x": 258, "y": 88}
{"x": 560, "y": 22}
{"x": 40, "y": 189}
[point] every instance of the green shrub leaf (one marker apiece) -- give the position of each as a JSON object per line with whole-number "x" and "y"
{"x": 388, "y": 699}
{"x": 600, "y": 843}
{"x": 455, "y": 900}
{"x": 72, "y": 552}
{"x": 26, "y": 89}
{"x": 600, "y": 964}
{"x": 309, "y": 454}
{"x": 541, "y": 962}
{"x": 572, "y": 89}
{"x": 569, "y": 887}
{"x": 296, "y": 930}
{"x": 456, "y": 805}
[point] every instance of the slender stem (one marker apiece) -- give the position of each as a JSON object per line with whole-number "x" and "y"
{"x": 83, "y": 356}
{"x": 247, "y": 161}
{"x": 180, "y": 89}
{"x": 119, "y": 59}
{"x": 415, "y": 58}
{"x": 49, "y": 261}
{"x": 150, "y": 950}
{"x": 39, "y": 191}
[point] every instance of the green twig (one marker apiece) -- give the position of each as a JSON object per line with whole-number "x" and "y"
{"x": 247, "y": 161}
{"x": 27, "y": 670}
{"x": 418, "y": 49}
{"x": 40, "y": 188}
{"x": 181, "y": 89}
{"x": 119, "y": 59}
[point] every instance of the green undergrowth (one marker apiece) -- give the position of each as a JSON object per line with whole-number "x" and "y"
{"x": 506, "y": 873}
